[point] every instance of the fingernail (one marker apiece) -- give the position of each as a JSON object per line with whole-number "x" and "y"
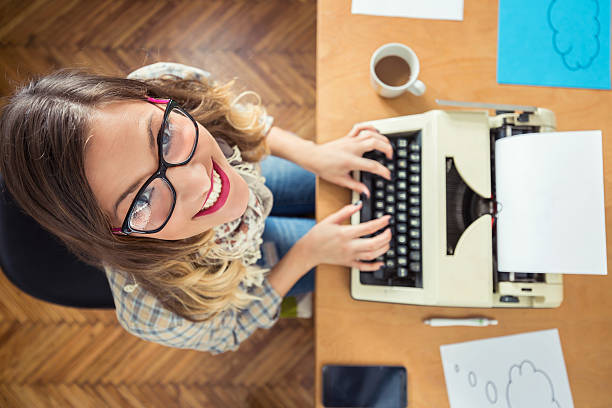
{"x": 357, "y": 204}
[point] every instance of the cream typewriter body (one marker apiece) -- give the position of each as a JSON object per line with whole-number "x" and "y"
{"x": 456, "y": 258}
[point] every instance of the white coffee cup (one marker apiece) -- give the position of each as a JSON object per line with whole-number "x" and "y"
{"x": 404, "y": 52}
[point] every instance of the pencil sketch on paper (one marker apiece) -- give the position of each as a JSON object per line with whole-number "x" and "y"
{"x": 491, "y": 392}
{"x": 575, "y": 26}
{"x": 529, "y": 387}
{"x": 525, "y": 370}
{"x": 472, "y": 378}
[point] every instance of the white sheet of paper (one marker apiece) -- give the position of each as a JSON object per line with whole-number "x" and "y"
{"x": 519, "y": 371}
{"x": 551, "y": 216}
{"x": 432, "y": 9}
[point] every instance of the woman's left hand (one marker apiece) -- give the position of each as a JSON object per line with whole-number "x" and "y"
{"x": 333, "y": 161}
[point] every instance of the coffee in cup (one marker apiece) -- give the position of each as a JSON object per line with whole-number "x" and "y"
{"x": 394, "y": 68}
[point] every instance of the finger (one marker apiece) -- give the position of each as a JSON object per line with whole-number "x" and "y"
{"x": 372, "y": 166}
{"x": 367, "y": 245}
{"x": 344, "y": 213}
{"x": 374, "y": 135}
{"x": 373, "y": 143}
{"x": 370, "y": 227}
{"x": 373, "y": 254}
{"x": 360, "y": 127}
{"x": 367, "y": 266}
{"x": 368, "y": 134}
{"x": 349, "y": 182}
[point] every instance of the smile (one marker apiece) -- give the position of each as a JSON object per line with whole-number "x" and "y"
{"x": 218, "y": 192}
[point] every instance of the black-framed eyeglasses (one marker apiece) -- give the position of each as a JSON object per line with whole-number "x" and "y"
{"x": 154, "y": 203}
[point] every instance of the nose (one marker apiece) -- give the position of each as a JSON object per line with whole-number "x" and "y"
{"x": 190, "y": 181}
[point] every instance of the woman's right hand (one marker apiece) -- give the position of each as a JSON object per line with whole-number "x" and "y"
{"x": 331, "y": 242}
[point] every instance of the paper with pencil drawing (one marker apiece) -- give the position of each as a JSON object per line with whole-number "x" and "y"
{"x": 518, "y": 371}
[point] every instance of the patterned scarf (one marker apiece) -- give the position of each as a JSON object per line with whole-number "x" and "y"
{"x": 242, "y": 238}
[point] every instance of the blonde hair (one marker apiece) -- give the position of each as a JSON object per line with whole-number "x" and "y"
{"x": 43, "y": 134}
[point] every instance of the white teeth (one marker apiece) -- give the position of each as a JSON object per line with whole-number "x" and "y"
{"x": 216, "y": 190}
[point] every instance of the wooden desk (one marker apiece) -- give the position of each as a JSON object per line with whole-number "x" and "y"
{"x": 458, "y": 61}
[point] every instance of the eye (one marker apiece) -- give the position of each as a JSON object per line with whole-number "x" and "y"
{"x": 142, "y": 210}
{"x": 167, "y": 137}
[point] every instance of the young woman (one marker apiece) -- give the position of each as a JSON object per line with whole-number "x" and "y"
{"x": 157, "y": 180}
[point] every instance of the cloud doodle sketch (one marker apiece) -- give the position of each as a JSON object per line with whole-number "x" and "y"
{"x": 529, "y": 387}
{"x": 491, "y": 392}
{"x": 472, "y": 378}
{"x": 576, "y": 28}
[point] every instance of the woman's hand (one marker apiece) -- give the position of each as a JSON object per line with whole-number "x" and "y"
{"x": 333, "y": 161}
{"x": 331, "y": 242}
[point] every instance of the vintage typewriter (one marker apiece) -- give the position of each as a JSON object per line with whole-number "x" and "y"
{"x": 441, "y": 198}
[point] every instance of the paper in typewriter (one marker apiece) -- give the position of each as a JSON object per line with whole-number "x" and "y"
{"x": 549, "y": 189}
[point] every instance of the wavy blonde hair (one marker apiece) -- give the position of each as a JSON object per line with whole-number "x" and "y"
{"x": 43, "y": 131}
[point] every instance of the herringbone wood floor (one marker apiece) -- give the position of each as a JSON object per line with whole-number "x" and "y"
{"x": 53, "y": 356}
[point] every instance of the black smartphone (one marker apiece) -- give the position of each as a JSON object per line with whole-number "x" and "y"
{"x": 364, "y": 386}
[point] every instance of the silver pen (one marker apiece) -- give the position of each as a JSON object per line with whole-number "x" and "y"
{"x": 471, "y": 321}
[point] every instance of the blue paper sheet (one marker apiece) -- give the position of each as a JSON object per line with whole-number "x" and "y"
{"x": 564, "y": 43}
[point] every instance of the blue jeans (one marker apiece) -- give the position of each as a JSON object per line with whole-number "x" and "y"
{"x": 294, "y": 195}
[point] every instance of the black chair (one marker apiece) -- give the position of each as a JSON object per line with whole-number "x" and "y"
{"x": 39, "y": 264}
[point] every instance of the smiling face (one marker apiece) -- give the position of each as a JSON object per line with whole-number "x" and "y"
{"x": 121, "y": 154}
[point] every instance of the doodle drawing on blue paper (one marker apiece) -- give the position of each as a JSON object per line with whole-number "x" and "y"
{"x": 561, "y": 43}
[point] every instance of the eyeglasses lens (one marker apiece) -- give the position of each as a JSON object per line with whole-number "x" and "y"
{"x": 152, "y": 207}
{"x": 178, "y": 137}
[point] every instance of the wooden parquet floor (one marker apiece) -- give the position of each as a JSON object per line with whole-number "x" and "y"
{"x": 52, "y": 356}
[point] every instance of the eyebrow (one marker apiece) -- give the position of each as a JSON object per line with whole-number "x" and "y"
{"x": 137, "y": 183}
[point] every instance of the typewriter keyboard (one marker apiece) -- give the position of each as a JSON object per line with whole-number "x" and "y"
{"x": 401, "y": 198}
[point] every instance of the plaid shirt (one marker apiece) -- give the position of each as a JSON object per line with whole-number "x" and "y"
{"x": 144, "y": 316}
